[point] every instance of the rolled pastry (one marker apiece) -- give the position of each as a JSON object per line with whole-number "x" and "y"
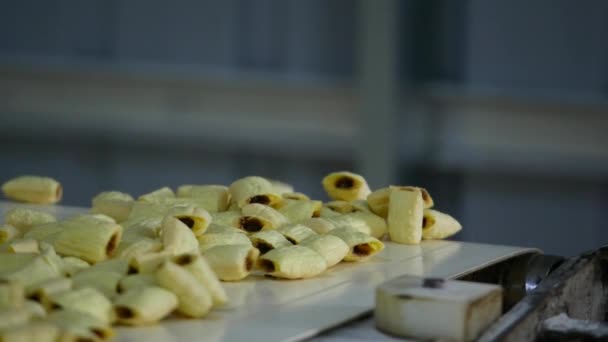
{"x": 256, "y": 210}
{"x": 119, "y": 266}
{"x": 44, "y": 232}
{"x": 362, "y": 246}
{"x": 195, "y": 218}
{"x": 345, "y": 186}
{"x": 215, "y": 228}
{"x": 12, "y": 294}
{"x": 194, "y": 300}
{"x": 227, "y": 218}
{"x": 73, "y": 265}
{"x": 157, "y": 196}
{"x": 330, "y": 247}
{"x": 137, "y": 280}
{"x": 10, "y": 262}
{"x": 105, "y": 282}
{"x": 23, "y": 246}
{"x": 405, "y": 215}
{"x": 377, "y": 225}
{"x": 43, "y": 291}
{"x": 24, "y": 219}
{"x": 33, "y": 189}
{"x": 212, "y": 198}
{"x": 90, "y": 240}
{"x": 379, "y": 199}
{"x": 35, "y": 309}
{"x": 254, "y": 224}
{"x": 87, "y": 300}
{"x": 341, "y": 207}
{"x": 298, "y": 210}
{"x": 253, "y": 189}
{"x": 280, "y": 188}
{"x": 115, "y": 204}
{"x": 231, "y": 262}
{"x": 295, "y": 196}
{"x": 292, "y": 262}
{"x": 207, "y": 241}
{"x": 177, "y": 237}
{"x": 146, "y": 263}
{"x": 268, "y": 240}
{"x": 33, "y": 331}
{"x": 13, "y": 318}
{"x": 33, "y": 272}
{"x": 319, "y": 224}
{"x": 296, "y": 233}
{"x": 76, "y": 325}
{"x": 349, "y": 221}
{"x": 438, "y": 225}
{"x": 145, "y": 305}
{"x": 142, "y": 246}
{"x": 202, "y": 271}
{"x": 8, "y": 233}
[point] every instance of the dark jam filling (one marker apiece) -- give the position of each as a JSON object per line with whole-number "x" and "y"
{"x": 124, "y": 312}
{"x": 99, "y": 333}
{"x": 249, "y": 263}
{"x": 188, "y": 221}
{"x": 267, "y": 265}
{"x": 345, "y": 183}
{"x": 111, "y": 246}
{"x": 184, "y": 259}
{"x": 36, "y": 297}
{"x": 427, "y": 222}
{"x": 85, "y": 339}
{"x": 363, "y": 249}
{"x": 261, "y": 199}
{"x": 251, "y": 224}
{"x": 264, "y": 247}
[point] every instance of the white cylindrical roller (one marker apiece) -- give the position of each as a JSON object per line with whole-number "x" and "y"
{"x": 434, "y": 309}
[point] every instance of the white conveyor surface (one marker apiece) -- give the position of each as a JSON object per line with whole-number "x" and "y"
{"x": 279, "y": 310}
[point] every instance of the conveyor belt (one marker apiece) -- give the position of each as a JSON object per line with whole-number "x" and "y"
{"x": 276, "y": 310}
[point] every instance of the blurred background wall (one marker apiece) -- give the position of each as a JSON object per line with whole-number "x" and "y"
{"x": 500, "y": 108}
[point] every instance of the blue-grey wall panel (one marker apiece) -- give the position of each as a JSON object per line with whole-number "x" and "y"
{"x": 321, "y": 37}
{"x": 550, "y": 44}
{"x": 562, "y": 217}
{"x": 57, "y": 28}
{"x": 177, "y": 32}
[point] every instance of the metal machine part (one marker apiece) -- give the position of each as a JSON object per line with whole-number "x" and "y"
{"x": 538, "y": 269}
{"x": 564, "y": 328}
{"x": 518, "y": 276}
{"x": 521, "y": 277}
{"x": 576, "y": 287}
